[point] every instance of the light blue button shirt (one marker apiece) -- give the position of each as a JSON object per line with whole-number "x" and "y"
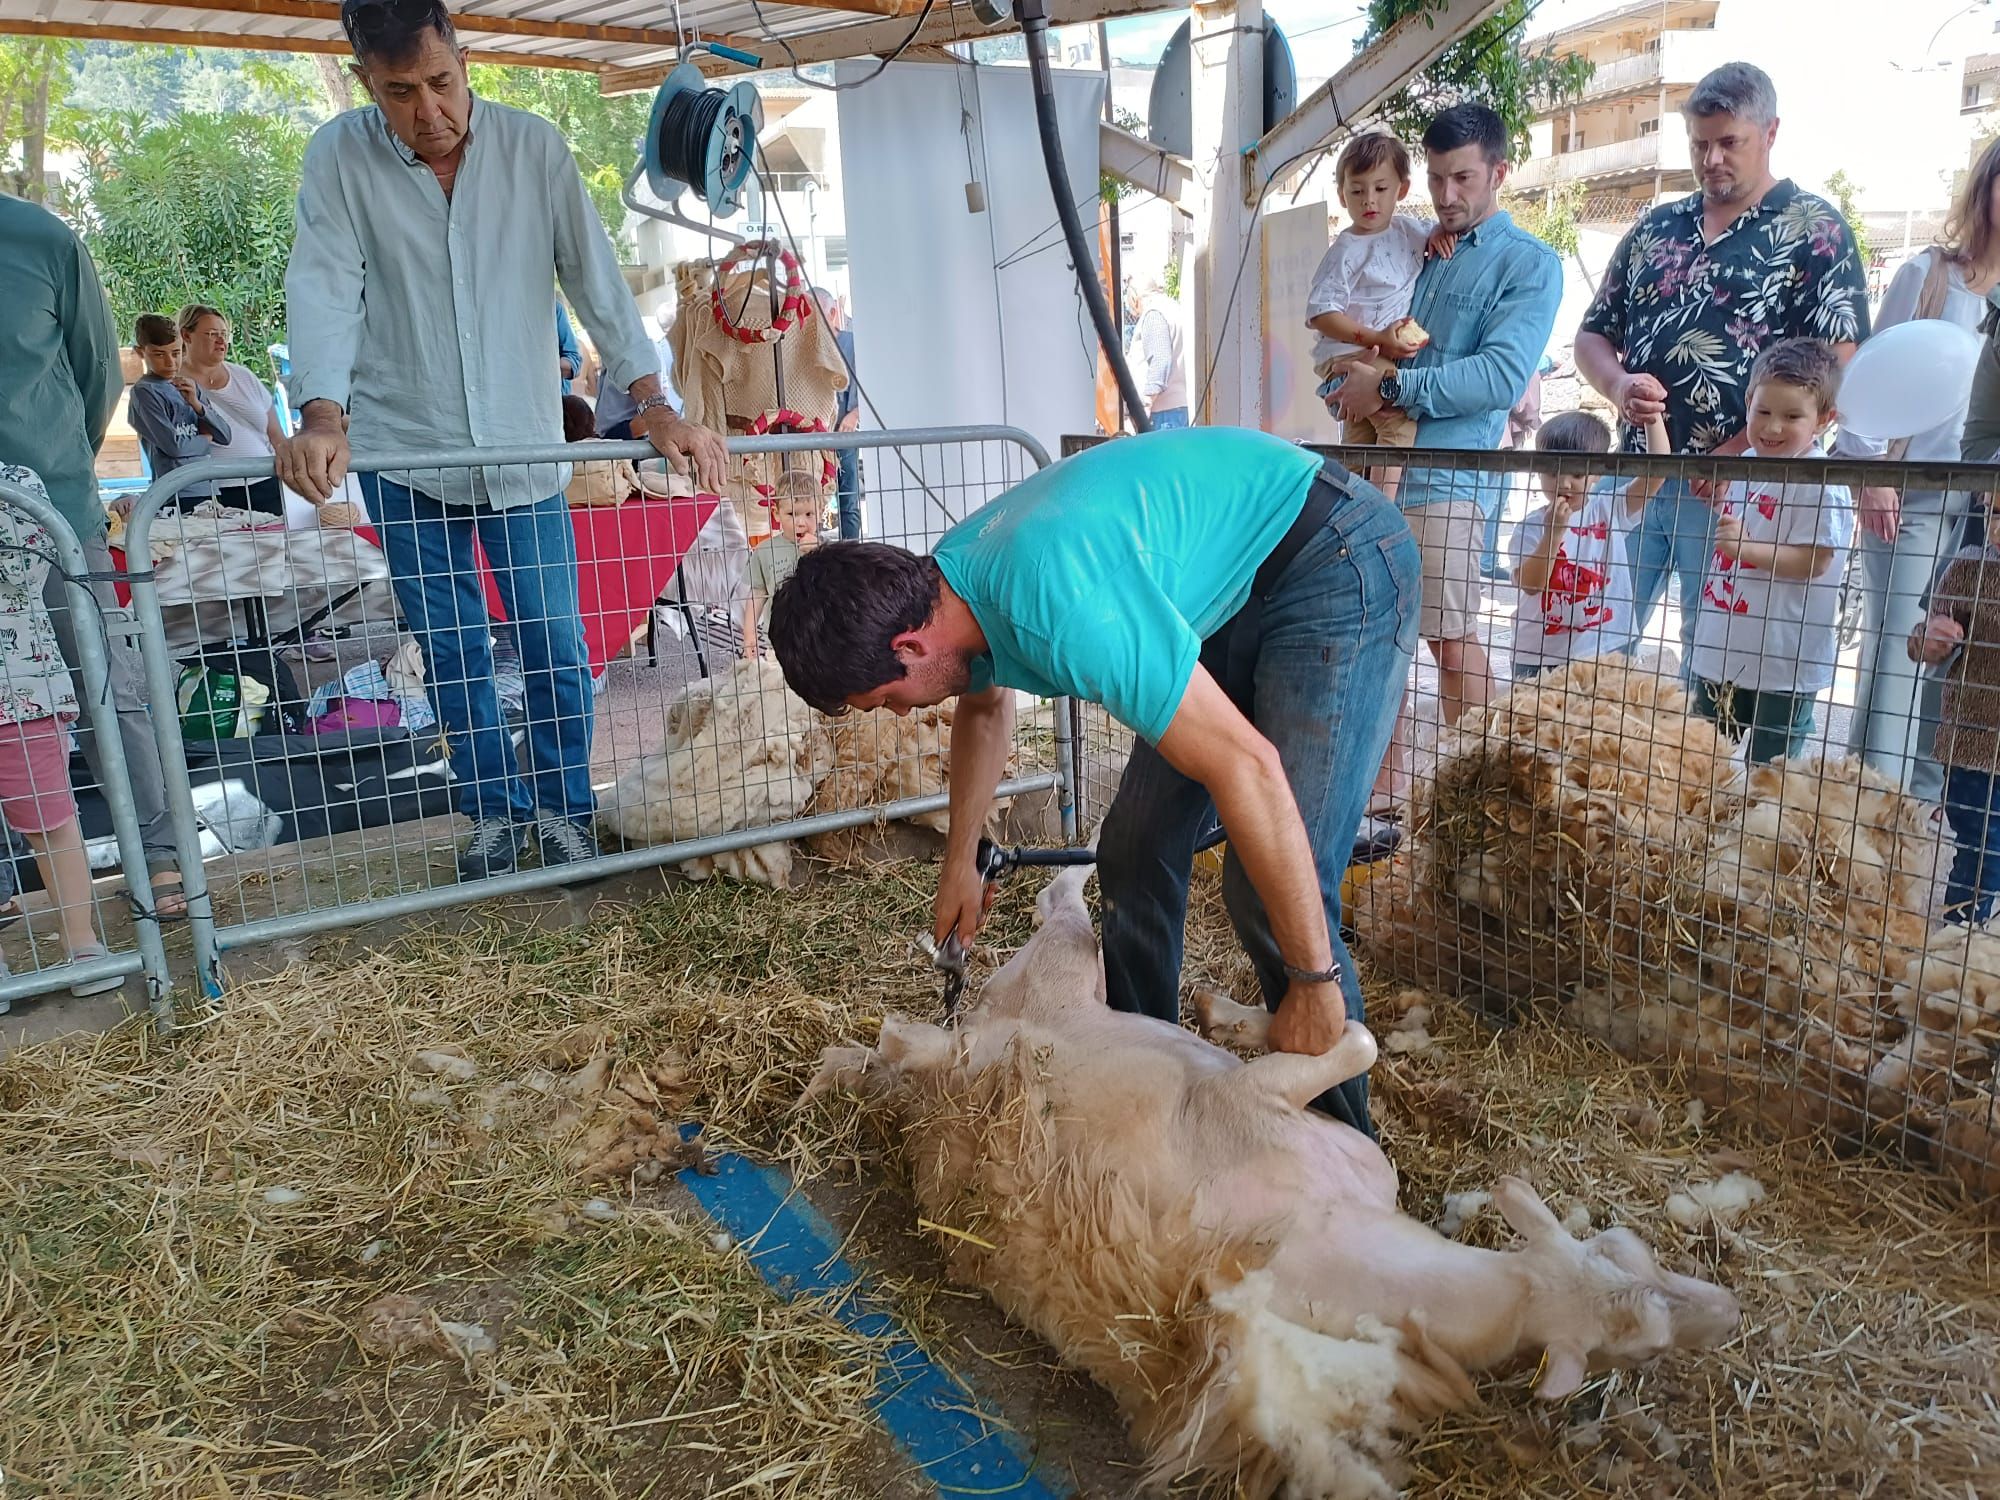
{"x": 1489, "y": 311}
{"x": 432, "y": 320}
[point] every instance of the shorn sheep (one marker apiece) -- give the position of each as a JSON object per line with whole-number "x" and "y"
{"x": 1229, "y": 1264}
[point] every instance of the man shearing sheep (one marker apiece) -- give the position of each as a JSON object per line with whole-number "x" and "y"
{"x": 1247, "y": 611}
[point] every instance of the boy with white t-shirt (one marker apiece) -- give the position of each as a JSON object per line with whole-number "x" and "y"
{"x": 1766, "y": 636}
{"x": 1360, "y": 299}
{"x": 1569, "y": 556}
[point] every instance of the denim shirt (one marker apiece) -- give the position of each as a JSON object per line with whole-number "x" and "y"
{"x": 1489, "y": 311}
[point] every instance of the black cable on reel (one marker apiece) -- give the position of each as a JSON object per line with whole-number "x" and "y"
{"x": 685, "y": 129}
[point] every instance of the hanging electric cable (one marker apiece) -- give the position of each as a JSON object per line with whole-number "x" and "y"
{"x": 1034, "y": 18}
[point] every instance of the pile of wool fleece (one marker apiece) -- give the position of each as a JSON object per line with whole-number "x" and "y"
{"x": 879, "y": 757}
{"x": 1797, "y": 918}
{"x": 1560, "y": 821}
{"x": 1935, "y": 1084}
{"x": 742, "y": 750}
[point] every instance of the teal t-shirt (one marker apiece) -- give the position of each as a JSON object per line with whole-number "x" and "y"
{"x": 1100, "y": 576}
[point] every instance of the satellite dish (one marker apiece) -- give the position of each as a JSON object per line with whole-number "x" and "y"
{"x": 1170, "y": 109}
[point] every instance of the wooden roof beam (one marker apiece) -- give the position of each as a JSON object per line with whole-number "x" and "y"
{"x": 948, "y": 23}
{"x": 464, "y": 20}
{"x": 255, "y": 42}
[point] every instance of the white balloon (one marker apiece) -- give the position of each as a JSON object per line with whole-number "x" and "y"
{"x": 1907, "y": 379}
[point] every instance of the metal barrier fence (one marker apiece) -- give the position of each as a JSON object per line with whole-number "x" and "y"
{"x": 1735, "y": 826}
{"x": 64, "y": 831}
{"x": 322, "y": 766}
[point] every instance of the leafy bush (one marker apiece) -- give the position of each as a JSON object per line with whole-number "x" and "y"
{"x": 198, "y": 209}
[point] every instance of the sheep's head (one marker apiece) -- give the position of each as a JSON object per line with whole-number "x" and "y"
{"x": 1605, "y": 1302}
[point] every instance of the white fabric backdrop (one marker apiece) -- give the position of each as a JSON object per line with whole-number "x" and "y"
{"x": 942, "y": 337}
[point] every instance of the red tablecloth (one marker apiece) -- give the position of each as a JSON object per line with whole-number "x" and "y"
{"x": 624, "y": 556}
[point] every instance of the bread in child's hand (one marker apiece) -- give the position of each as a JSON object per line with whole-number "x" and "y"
{"x": 1404, "y": 337}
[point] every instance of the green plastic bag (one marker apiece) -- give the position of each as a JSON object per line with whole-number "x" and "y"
{"x": 219, "y": 705}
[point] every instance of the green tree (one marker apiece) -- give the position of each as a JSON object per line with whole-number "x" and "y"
{"x": 161, "y": 82}
{"x": 603, "y": 134}
{"x": 1845, "y": 194}
{"x": 1490, "y": 65}
{"x": 1553, "y": 219}
{"x": 34, "y": 78}
{"x": 198, "y": 209}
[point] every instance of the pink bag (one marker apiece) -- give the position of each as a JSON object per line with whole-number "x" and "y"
{"x": 343, "y": 714}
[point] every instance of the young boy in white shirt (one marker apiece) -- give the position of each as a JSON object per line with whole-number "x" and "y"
{"x": 1360, "y": 299}
{"x": 1766, "y": 635}
{"x": 1569, "y": 556}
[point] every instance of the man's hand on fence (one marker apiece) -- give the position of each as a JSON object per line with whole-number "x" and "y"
{"x": 313, "y": 460}
{"x": 685, "y": 446}
{"x": 1639, "y": 398}
{"x": 1881, "y": 512}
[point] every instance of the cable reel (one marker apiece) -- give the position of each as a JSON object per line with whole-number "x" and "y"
{"x": 703, "y": 139}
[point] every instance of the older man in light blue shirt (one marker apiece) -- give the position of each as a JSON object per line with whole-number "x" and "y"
{"x": 432, "y": 230}
{"x": 1489, "y": 310}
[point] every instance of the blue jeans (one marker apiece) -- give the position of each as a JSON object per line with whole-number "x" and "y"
{"x": 532, "y": 550}
{"x": 1896, "y": 702}
{"x": 1972, "y": 808}
{"x": 1168, "y": 420}
{"x": 1675, "y": 535}
{"x": 1322, "y": 678}
{"x": 847, "y": 486}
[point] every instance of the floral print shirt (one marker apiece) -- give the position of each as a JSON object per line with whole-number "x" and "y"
{"x": 34, "y": 680}
{"x": 1695, "y": 315}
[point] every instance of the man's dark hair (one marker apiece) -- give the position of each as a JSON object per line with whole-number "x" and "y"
{"x": 153, "y": 331}
{"x": 392, "y": 31}
{"x": 1369, "y": 150}
{"x": 833, "y": 620}
{"x": 1573, "y": 432}
{"x": 1468, "y": 125}
{"x": 579, "y": 421}
{"x": 1809, "y": 364}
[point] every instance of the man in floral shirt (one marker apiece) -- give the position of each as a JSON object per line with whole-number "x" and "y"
{"x": 1696, "y": 290}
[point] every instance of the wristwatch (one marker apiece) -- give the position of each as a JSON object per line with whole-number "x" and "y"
{"x": 651, "y": 403}
{"x": 1390, "y": 390}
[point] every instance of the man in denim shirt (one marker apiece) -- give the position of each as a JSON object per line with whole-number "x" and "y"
{"x": 1489, "y": 310}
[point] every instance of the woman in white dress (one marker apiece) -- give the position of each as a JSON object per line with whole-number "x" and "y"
{"x": 1896, "y": 707}
{"x": 244, "y": 400}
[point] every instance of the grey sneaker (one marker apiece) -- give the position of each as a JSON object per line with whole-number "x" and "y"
{"x": 565, "y": 843}
{"x": 492, "y": 850}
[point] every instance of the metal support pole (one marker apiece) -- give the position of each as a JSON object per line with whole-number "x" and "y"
{"x": 1228, "y": 102}
{"x": 93, "y": 661}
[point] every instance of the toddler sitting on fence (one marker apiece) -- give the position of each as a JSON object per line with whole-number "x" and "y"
{"x": 1766, "y": 637}
{"x": 37, "y": 704}
{"x": 1569, "y": 556}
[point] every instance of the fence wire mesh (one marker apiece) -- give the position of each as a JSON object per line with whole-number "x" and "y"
{"x": 419, "y": 701}
{"x": 76, "y": 907}
{"x": 1709, "y": 763}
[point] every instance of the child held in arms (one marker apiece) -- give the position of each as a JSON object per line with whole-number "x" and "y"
{"x": 1360, "y": 299}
